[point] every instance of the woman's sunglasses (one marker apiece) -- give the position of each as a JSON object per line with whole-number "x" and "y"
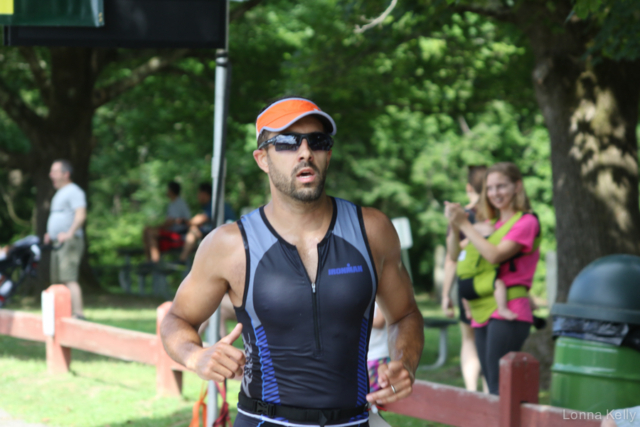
{"x": 317, "y": 141}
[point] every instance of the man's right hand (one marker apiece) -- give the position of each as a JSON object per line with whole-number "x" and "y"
{"x": 221, "y": 360}
{"x": 46, "y": 239}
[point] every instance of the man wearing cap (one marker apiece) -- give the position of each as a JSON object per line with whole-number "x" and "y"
{"x": 303, "y": 273}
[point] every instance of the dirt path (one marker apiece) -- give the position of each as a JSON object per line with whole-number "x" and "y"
{"x": 7, "y": 421}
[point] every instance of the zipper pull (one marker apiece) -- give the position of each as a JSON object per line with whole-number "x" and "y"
{"x": 313, "y": 288}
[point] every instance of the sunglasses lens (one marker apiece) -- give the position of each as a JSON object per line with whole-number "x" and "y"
{"x": 286, "y": 143}
{"x": 320, "y": 141}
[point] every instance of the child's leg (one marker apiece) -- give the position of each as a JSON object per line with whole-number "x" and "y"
{"x": 500, "y": 294}
{"x": 372, "y": 368}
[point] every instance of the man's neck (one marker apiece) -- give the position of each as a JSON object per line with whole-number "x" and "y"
{"x": 293, "y": 218}
{"x": 64, "y": 184}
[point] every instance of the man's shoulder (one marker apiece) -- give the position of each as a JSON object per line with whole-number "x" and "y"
{"x": 70, "y": 191}
{"x": 378, "y": 227}
{"x": 375, "y": 220}
{"x": 225, "y": 240}
{"x": 75, "y": 188}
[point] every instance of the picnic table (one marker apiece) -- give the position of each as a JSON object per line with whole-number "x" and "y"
{"x": 157, "y": 271}
{"x": 442, "y": 324}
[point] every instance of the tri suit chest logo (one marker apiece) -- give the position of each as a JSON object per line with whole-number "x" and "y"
{"x": 349, "y": 269}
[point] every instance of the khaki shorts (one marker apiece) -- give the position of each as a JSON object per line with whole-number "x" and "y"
{"x": 65, "y": 261}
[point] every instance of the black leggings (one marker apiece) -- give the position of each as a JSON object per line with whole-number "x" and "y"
{"x": 495, "y": 340}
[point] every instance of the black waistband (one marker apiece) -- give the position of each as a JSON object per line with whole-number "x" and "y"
{"x": 291, "y": 413}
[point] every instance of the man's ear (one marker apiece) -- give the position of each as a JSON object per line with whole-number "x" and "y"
{"x": 261, "y": 159}
{"x": 329, "y": 158}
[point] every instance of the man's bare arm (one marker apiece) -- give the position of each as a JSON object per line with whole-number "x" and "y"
{"x": 79, "y": 216}
{"x": 396, "y": 300}
{"x": 197, "y": 298}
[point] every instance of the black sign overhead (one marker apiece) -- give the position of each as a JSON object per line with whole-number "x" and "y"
{"x": 138, "y": 24}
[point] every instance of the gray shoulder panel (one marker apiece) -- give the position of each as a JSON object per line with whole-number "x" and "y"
{"x": 260, "y": 240}
{"x": 348, "y": 227}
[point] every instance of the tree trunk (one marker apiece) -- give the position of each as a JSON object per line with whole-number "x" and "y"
{"x": 591, "y": 112}
{"x": 63, "y": 128}
{"x": 66, "y": 133}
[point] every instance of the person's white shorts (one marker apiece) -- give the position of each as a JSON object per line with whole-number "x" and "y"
{"x": 628, "y": 417}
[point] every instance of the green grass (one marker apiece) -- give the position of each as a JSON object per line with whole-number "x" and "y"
{"x": 101, "y": 391}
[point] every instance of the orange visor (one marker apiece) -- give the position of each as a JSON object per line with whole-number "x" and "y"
{"x": 282, "y": 114}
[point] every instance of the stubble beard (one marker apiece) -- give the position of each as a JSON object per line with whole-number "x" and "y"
{"x": 287, "y": 185}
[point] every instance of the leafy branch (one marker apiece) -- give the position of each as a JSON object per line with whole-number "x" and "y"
{"x": 157, "y": 63}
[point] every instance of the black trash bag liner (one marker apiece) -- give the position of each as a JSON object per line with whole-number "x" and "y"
{"x": 633, "y": 338}
{"x": 590, "y": 330}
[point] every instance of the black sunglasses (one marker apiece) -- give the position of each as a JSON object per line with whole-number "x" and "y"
{"x": 317, "y": 141}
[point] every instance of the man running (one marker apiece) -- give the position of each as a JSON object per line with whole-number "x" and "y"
{"x": 303, "y": 273}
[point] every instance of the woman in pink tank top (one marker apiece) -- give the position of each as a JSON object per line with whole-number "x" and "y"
{"x": 503, "y": 195}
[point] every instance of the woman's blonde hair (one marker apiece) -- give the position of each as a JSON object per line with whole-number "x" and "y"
{"x": 520, "y": 201}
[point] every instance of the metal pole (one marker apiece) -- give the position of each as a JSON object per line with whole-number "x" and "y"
{"x": 219, "y": 131}
{"x": 217, "y": 201}
{"x": 221, "y": 111}
{"x": 218, "y": 164}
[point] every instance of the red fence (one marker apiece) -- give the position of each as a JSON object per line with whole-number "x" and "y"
{"x": 516, "y": 406}
{"x": 71, "y": 333}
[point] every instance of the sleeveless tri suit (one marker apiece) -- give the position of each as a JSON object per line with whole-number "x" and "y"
{"x": 306, "y": 343}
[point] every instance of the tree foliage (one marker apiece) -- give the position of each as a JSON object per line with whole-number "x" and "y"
{"x": 416, "y": 100}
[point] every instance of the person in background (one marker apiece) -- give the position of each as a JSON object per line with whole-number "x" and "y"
{"x": 469, "y": 362}
{"x": 503, "y": 199}
{"x": 64, "y": 230}
{"x": 378, "y": 348}
{"x": 202, "y": 224}
{"x": 177, "y": 217}
{"x": 377, "y": 356}
{"x": 628, "y": 417}
{"x": 199, "y": 226}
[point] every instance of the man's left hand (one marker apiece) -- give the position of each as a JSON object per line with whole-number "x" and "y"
{"x": 65, "y": 235}
{"x": 396, "y": 382}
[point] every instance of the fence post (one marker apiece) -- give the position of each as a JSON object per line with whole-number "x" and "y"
{"x": 519, "y": 382}
{"x": 58, "y": 357}
{"x": 168, "y": 381}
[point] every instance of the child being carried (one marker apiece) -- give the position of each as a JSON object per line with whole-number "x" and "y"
{"x": 500, "y": 289}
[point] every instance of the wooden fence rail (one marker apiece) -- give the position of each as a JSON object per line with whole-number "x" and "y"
{"x": 516, "y": 407}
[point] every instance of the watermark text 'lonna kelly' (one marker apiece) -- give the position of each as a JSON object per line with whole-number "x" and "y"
{"x": 619, "y": 414}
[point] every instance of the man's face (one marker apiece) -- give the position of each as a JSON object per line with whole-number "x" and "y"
{"x": 299, "y": 174}
{"x": 204, "y": 197}
{"x": 57, "y": 176}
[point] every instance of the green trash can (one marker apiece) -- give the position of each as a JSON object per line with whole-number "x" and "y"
{"x": 596, "y": 366}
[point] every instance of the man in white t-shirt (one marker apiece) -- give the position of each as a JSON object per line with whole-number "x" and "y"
{"x": 64, "y": 229}
{"x": 178, "y": 216}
